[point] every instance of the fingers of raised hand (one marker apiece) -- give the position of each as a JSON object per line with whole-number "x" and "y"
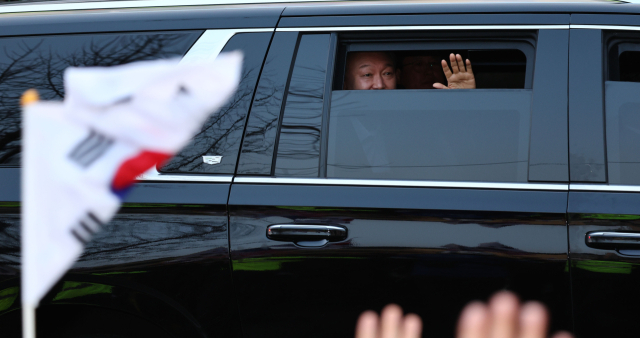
{"x": 439, "y": 85}
{"x": 390, "y": 321}
{"x": 412, "y": 327}
{"x": 503, "y": 309}
{"x": 503, "y": 317}
{"x": 460, "y": 63}
{"x": 473, "y": 322}
{"x": 533, "y": 320}
{"x": 563, "y": 334}
{"x": 367, "y": 326}
{"x": 391, "y": 324}
{"x": 445, "y": 68}
{"x": 469, "y": 70}
{"x": 454, "y": 63}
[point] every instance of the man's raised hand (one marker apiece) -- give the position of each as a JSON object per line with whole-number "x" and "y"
{"x": 459, "y": 76}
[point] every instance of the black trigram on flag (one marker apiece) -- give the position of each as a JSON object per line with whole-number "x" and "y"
{"x": 90, "y": 149}
{"x": 86, "y": 228}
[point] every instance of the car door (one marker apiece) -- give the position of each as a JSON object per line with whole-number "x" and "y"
{"x": 348, "y": 200}
{"x": 605, "y": 178}
{"x": 161, "y": 267}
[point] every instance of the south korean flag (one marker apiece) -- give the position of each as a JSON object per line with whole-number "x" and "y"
{"x": 80, "y": 156}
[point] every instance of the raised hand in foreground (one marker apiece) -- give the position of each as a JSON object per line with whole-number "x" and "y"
{"x": 459, "y": 76}
{"x": 502, "y": 317}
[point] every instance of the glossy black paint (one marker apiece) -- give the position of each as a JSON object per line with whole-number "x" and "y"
{"x": 605, "y": 281}
{"x": 259, "y": 144}
{"x": 407, "y": 20}
{"x": 163, "y": 260}
{"x": 221, "y": 134}
{"x": 123, "y": 20}
{"x": 431, "y": 250}
{"x": 548, "y": 148}
{"x": 586, "y": 119}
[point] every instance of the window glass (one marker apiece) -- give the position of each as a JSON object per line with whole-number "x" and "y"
{"x": 256, "y": 156}
{"x": 623, "y": 132}
{"x": 222, "y": 133}
{"x": 299, "y": 143}
{"x": 623, "y": 53}
{"x": 622, "y": 107}
{"x": 452, "y": 135}
{"x": 629, "y": 66}
{"x": 39, "y": 62}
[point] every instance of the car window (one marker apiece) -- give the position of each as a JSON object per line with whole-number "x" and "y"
{"x": 39, "y": 62}
{"x": 259, "y": 142}
{"x": 299, "y": 142}
{"x": 479, "y": 135}
{"x": 222, "y": 133}
{"x": 416, "y": 133}
{"x": 622, "y": 106}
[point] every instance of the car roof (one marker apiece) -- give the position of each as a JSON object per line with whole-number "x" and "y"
{"x": 341, "y": 7}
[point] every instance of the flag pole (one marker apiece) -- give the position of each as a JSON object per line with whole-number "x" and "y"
{"x": 28, "y": 321}
{"x": 28, "y": 310}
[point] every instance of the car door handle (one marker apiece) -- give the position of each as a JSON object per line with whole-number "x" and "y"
{"x": 304, "y": 232}
{"x": 612, "y": 240}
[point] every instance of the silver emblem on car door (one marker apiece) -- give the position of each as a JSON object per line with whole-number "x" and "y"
{"x": 211, "y": 159}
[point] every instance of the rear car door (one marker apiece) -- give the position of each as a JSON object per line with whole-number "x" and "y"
{"x": 348, "y": 200}
{"x": 161, "y": 267}
{"x": 604, "y": 198}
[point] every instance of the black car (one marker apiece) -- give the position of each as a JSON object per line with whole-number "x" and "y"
{"x": 301, "y": 204}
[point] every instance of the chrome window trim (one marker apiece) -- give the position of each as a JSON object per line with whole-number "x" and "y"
{"x": 153, "y": 175}
{"x": 425, "y": 27}
{"x": 606, "y": 27}
{"x": 212, "y": 41}
{"x": 401, "y": 183}
{"x": 40, "y": 7}
{"x": 604, "y": 187}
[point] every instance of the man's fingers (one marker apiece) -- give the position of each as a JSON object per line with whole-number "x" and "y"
{"x": 367, "y": 326}
{"x": 439, "y": 85}
{"x": 533, "y": 321}
{"x": 563, "y": 334}
{"x": 460, "y": 63}
{"x": 503, "y": 307}
{"x": 454, "y": 64}
{"x": 473, "y": 321}
{"x": 390, "y": 321}
{"x": 412, "y": 326}
{"x": 469, "y": 70}
{"x": 445, "y": 68}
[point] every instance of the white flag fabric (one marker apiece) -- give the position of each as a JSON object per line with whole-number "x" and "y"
{"x": 81, "y": 155}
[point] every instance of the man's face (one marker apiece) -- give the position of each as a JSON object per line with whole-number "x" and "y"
{"x": 369, "y": 70}
{"x": 421, "y": 72}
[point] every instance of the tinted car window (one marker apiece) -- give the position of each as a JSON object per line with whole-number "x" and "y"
{"x": 222, "y": 133}
{"x": 623, "y": 132}
{"x": 418, "y": 134}
{"x": 39, "y": 62}
{"x": 299, "y": 142}
{"x": 622, "y": 107}
{"x": 258, "y": 146}
{"x": 466, "y": 135}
